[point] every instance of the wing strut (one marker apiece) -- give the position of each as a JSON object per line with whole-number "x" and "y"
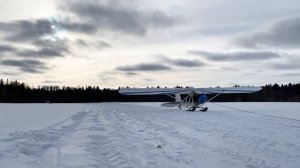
{"x": 214, "y": 97}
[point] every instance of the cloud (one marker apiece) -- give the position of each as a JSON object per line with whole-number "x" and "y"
{"x": 24, "y": 30}
{"x": 236, "y": 56}
{"x": 143, "y": 67}
{"x": 130, "y": 74}
{"x": 289, "y": 74}
{"x": 149, "y": 80}
{"x": 85, "y": 28}
{"x": 286, "y": 66}
{"x": 117, "y": 17}
{"x": 107, "y": 76}
{"x": 181, "y": 62}
{"x": 81, "y": 43}
{"x": 284, "y": 33}
{"x": 104, "y": 78}
{"x": 51, "y": 82}
{"x": 46, "y": 49}
{"x": 55, "y": 44}
{"x": 31, "y": 66}
{"x": 30, "y": 30}
{"x": 42, "y": 53}
{"x": 6, "y": 48}
{"x": 103, "y": 45}
{"x": 9, "y": 73}
{"x": 98, "y": 44}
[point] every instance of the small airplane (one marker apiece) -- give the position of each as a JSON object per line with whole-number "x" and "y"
{"x": 194, "y": 97}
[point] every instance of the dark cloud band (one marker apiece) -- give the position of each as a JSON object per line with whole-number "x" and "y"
{"x": 31, "y": 66}
{"x": 284, "y": 33}
{"x": 109, "y": 16}
{"x": 31, "y": 30}
{"x": 182, "y": 62}
{"x": 286, "y": 66}
{"x": 6, "y": 48}
{"x": 236, "y": 56}
{"x": 143, "y": 67}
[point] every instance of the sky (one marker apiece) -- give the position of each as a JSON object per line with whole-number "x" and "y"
{"x": 112, "y": 43}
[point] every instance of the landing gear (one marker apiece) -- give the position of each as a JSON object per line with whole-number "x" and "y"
{"x": 193, "y": 101}
{"x": 203, "y": 109}
{"x": 193, "y": 108}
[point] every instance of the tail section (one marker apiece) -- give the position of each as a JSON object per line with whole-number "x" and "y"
{"x": 177, "y": 98}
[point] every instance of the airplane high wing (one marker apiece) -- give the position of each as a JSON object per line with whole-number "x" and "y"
{"x": 158, "y": 91}
{"x": 192, "y": 100}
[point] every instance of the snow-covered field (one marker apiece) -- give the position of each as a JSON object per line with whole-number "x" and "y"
{"x": 138, "y": 135}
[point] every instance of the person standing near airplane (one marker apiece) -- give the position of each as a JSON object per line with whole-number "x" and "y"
{"x": 202, "y": 99}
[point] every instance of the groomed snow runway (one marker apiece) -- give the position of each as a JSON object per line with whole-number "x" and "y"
{"x": 108, "y": 135}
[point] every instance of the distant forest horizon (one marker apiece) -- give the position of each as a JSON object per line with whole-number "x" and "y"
{"x": 18, "y": 92}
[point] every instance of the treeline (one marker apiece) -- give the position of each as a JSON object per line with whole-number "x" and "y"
{"x": 16, "y": 92}
{"x": 269, "y": 93}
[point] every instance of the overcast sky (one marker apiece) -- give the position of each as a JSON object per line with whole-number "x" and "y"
{"x": 137, "y": 43}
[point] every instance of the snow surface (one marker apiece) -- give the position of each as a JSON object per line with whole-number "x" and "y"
{"x": 145, "y": 135}
{"x": 23, "y": 117}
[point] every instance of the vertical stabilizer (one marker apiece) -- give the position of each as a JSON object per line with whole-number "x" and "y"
{"x": 177, "y": 98}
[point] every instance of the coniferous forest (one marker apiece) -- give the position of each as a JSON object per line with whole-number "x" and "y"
{"x": 16, "y": 92}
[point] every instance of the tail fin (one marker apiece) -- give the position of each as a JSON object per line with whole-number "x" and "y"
{"x": 177, "y": 98}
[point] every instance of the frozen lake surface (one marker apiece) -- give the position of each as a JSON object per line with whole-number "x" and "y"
{"x": 259, "y": 135}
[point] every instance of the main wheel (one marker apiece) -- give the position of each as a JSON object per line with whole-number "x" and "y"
{"x": 204, "y": 109}
{"x": 191, "y": 109}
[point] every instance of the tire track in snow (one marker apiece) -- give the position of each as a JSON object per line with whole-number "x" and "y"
{"x": 117, "y": 135}
{"x": 40, "y": 148}
{"x": 107, "y": 142}
{"x": 157, "y": 149}
{"x": 235, "y": 140}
